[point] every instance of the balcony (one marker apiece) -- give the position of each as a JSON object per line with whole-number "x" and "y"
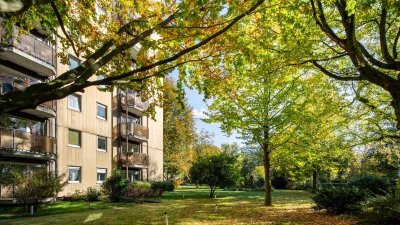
{"x": 134, "y": 132}
{"x": 20, "y": 144}
{"x": 137, "y": 160}
{"x": 131, "y": 102}
{"x": 27, "y": 52}
{"x": 10, "y": 84}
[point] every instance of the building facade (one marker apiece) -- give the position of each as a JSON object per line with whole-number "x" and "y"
{"x": 83, "y": 136}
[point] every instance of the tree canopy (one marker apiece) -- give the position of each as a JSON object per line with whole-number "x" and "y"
{"x": 164, "y": 34}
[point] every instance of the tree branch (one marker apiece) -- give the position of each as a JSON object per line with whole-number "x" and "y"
{"x": 60, "y": 21}
{"x": 335, "y": 76}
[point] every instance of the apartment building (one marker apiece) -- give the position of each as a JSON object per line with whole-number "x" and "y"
{"x": 84, "y": 136}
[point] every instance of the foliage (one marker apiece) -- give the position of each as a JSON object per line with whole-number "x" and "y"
{"x": 383, "y": 210}
{"x": 381, "y": 159}
{"x": 142, "y": 185}
{"x": 279, "y": 181}
{"x": 92, "y": 194}
{"x": 373, "y": 184}
{"x": 115, "y": 186}
{"x": 218, "y": 170}
{"x": 132, "y": 44}
{"x": 78, "y": 195}
{"x": 35, "y": 187}
{"x": 178, "y": 131}
{"x": 167, "y": 185}
{"x": 338, "y": 199}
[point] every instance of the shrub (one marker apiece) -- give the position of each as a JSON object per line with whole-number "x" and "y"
{"x": 339, "y": 199}
{"x": 383, "y": 210}
{"x": 163, "y": 185}
{"x": 92, "y": 194}
{"x": 77, "y": 196}
{"x": 373, "y": 184}
{"x": 35, "y": 187}
{"x": 115, "y": 186}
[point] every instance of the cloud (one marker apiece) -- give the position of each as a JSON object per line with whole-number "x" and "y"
{"x": 199, "y": 113}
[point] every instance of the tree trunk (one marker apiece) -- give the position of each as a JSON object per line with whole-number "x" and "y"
{"x": 314, "y": 181}
{"x": 212, "y": 191}
{"x": 267, "y": 182}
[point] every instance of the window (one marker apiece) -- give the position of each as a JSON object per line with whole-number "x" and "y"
{"x": 131, "y": 147}
{"x": 73, "y": 62}
{"x": 134, "y": 175}
{"x": 74, "y": 102}
{"x": 101, "y": 77}
{"x": 74, "y": 138}
{"x": 101, "y": 175}
{"x": 101, "y": 111}
{"x": 101, "y": 144}
{"x": 74, "y": 174}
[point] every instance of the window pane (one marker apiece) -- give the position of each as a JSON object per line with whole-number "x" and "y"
{"x": 74, "y": 174}
{"x": 101, "y": 174}
{"x": 102, "y": 143}
{"x": 74, "y": 137}
{"x": 73, "y": 62}
{"x": 101, "y": 111}
{"x": 74, "y": 102}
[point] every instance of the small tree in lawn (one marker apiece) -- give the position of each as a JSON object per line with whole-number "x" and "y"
{"x": 115, "y": 186}
{"x": 32, "y": 189}
{"x": 219, "y": 170}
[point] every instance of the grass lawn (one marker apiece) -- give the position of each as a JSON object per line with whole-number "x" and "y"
{"x": 185, "y": 206}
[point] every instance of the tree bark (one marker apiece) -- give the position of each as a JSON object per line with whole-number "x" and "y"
{"x": 314, "y": 178}
{"x": 267, "y": 182}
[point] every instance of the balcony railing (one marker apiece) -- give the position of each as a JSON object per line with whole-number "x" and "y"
{"x": 133, "y": 158}
{"x": 132, "y": 100}
{"x": 11, "y": 84}
{"x": 24, "y": 141}
{"x": 31, "y": 45}
{"x": 136, "y": 130}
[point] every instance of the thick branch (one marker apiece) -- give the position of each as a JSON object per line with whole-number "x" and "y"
{"x": 335, "y": 76}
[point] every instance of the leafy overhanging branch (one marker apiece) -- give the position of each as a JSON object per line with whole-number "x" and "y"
{"x": 78, "y": 78}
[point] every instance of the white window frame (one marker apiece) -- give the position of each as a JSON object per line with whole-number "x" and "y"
{"x": 79, "y": 97}
{"x": 105, "y": 108}
{"x": 80, "y": 139}
{"x": 80, "y": 175}
{"x": 97, "y": 144}
{"x": 101, "y": 170}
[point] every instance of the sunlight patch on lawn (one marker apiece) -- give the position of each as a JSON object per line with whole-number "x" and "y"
{"x": 93, "y": 217}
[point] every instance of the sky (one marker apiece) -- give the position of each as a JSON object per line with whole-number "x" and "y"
{"x": 195, "y": 100}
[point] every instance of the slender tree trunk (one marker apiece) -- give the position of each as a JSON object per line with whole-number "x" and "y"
{"x": 314, "y": 180}
{"x": 267, "y": 183}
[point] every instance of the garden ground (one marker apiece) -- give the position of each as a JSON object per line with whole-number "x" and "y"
{"x": 185, "y": 206}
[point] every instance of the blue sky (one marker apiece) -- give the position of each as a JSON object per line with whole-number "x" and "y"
{"x": 195, "y": 101}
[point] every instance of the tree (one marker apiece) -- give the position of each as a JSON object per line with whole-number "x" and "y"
{"x": 115, "y": 187}
{"x": 35, "y": 187}
{"x": 179, "y": 132}
{"x": 166, "y": 34}
{"x": 218, "y": 170}
{"x": 367, "y": 35}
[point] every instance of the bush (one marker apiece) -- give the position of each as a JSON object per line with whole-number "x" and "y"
{"x": 373, "y": 184}
{"x": 33, "y": 188}
{"x": 77, "y": 196}
{"x": 339, "y": 199}
{"x": 92, "y": 194}
{"x": 163, "y": 185}
{"x": 115, "y": 186}
{"x": 383, "y": 210}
